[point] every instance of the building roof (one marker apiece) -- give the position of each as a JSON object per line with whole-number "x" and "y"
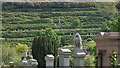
{"x": 108, "y": 35}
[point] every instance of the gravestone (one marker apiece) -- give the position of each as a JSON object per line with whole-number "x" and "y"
{"x": 49, "y": 61}
{"x": 11, "y": 64}
{"x": 64, "y": 55}
{"x": 24, "y": 54}
{"x": 24, "y": 63}
{"x": 78, "y": 52}
{"x": 64, "y": 58}
{"x": 28, "y": 63}
{"x": 29, "y": 51}
{"x": 24, "y": 60}
{"x": 106, "y": 42}
{"x": 32, "y": 63}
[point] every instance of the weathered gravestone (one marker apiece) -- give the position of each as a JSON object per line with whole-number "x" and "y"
{"x": 28, "y": 63}
{"x": 64, "y": 58}
{"x": 78, "y": 53}
{"x": 49, "y": 61}
{"x": 11, "y": 64}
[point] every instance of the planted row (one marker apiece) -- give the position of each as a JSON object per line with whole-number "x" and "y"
{"x": 13, "y": 6}
{"x": 22, "y": 34}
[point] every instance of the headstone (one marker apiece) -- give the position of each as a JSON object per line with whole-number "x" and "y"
{"x": 78, "y": 52}
{"x": 11, "y": 64}
{"x": 29, "y": 51}
{"x": 64, "y": 57}
{"x": 49, "y": 61}
{"x": 79, "y": 59}
{"x": 77, "y": 40}
{"x": 24, "y": 54}
{"x": 24, "y": 63}
{"x": 4, "y": 66}
{"x": 32, "y": 63}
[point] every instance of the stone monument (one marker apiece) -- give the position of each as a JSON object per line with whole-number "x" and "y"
{"x": 64, "y": 58}
{"x": 49, "y": 61}
{"x": 11, "y": 64}
{"x": 28, "y": 63}
{"x": 32, "y": 63}
{"x": 106, "y": 42}
{"x": 77, "y": 40}
{"x": 24, "y": 54}
{"x": 78, "y": 52}
{"x": 24, "y": 63}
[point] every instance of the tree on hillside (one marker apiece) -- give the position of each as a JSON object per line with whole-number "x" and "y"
{"x": 115, "y": 27}
{"x": 75, "y": 23}
{"x": 105, "y": 26}
{"x": 107, "y": 9}
{"x": 47, "y": 43}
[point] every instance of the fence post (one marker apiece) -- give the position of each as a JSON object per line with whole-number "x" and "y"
{"x": 64, "y": 56}
{"x": 49, "y": 61}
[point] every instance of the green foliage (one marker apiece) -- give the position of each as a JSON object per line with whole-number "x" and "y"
{"x": 115, "y": 27}
{"x": 75, "y": 23}
{"x": 106, "y": 26}
{"x": 21, "y": 47}
{"x": 9, "y": 54}
{"x": 62, "y": 41}
{"x": 47, "y": 43}
{"x": 113, "y": 59}
{"x": 17, "y": 59}
{"x": 107, "y": 9}
{"x": 91, "y": 47}
{"x": 38, "y": 16}
{"x": 111, "y": 25}
{"x": 89, "y": 60}
{"x": 89, "y": 39}
{"x": 13, "y": 6}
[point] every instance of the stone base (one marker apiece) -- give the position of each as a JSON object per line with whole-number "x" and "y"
{"x": 78, "y": 51}
{"x": 79, "y": 55}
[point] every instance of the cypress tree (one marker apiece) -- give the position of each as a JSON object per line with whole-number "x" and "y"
{"x": 47, "y": 43}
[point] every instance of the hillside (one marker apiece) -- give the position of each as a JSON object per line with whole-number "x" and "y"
{"x": 22, "y": 21}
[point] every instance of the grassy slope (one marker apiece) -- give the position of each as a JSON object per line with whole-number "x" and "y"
{"x": 23, "y": 26}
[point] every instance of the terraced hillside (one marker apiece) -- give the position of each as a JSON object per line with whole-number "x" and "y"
{"x": 21, "y": 24}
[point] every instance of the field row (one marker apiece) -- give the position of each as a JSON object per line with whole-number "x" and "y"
{"x": 51, "y": 9}
{"x": 29, "y": 40}
{"x": 32, "y": 33}
{"x": 16, "y": 27}
{"x": 37, "y": 20}
{"x": 50, "y": 13}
